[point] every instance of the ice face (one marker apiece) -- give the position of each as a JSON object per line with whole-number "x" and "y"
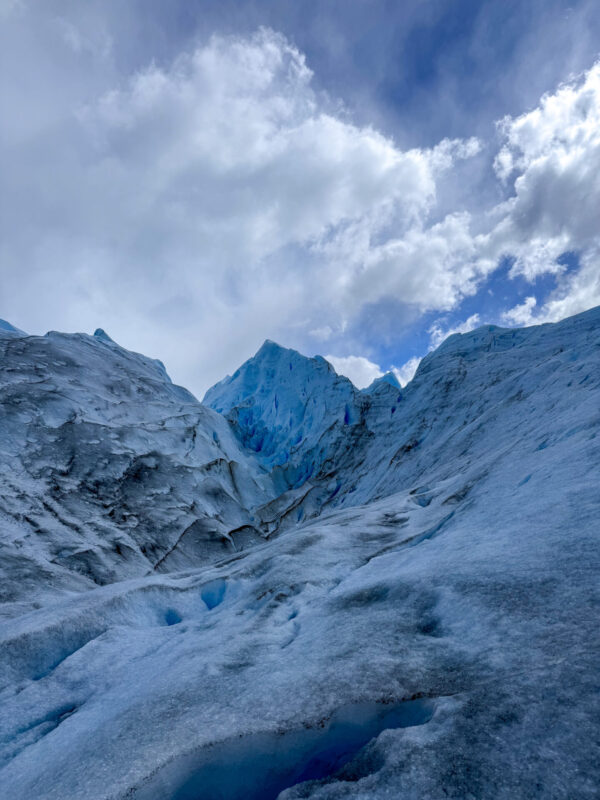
{"x": 389, "y": 378}
{"x": 6, "y": 329}
{"x": 280, "y": 404}
{"x": 102, "y": 335}
{"x": 110, "y": 471}
{"x": 444, "y": 553}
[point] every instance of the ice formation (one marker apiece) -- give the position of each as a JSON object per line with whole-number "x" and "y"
{"x": 297, "y": 589}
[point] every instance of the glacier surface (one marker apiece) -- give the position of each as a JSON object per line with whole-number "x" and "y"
{"x": 297, "y": 589}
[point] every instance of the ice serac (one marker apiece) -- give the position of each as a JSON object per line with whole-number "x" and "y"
{"x": 287, "y": 409}
{"x": 388, "y": 378}
{"x": 430, "y": 631}
{"x": 101, "y": 334}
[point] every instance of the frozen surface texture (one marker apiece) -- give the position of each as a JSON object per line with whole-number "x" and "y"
{"x": 395, "y": 595}
{"x": 110, "y": 471}
{"x": 282, "y": 405}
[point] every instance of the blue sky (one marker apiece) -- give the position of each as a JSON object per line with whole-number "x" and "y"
{"x": 355, "y": 178}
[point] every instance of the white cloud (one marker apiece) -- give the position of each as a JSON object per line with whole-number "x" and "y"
{"x": 552, "y": 157}
{"x": 233, "y": 145}
{"x": 539, "y": 257}
{"x": 522, "y": 313}
{"x": 577, "y": 292}
{"x": 359, "y": 369}
{"x": 406, "y": 372}
{"x": 559, "y": 129}
{"x": 220, "y": 200}
{"x": 438, "y": 334}
{"x": 431, "y": 267}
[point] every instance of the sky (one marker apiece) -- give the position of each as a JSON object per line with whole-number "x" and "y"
{"x": 351, "y": 178}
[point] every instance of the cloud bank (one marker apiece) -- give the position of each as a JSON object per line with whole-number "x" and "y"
{"x": 195, "y": 208}
{"x": 549, "y": 164}
{"x": 551, "y": 158}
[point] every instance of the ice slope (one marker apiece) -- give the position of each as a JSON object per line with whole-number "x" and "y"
{"x": 484, "y": 609}
{"x": 480, "y": 397}
{"x": 490, "y": 396}
{"x": 108, "y": 470}
{"x": 7, "y": 329}
{"x": 432, "y": 634}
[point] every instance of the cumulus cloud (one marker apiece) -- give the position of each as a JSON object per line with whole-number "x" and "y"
{"x": 550, "y": 158}
{"x": 520, "y": 314}
{"x": 359, "y": 369}
{"x": 196, "y": 207}
{"x": 438, "y": 334}
{"x": 577, "y": 292}
{"x": 432, "y": 267}
{"x": 220, "y": 199}
{"x": 232, "y": 140}
{"x": 551, "y": 155}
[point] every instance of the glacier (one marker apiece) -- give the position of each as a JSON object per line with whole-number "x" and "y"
{"x": 297, "y": 589}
